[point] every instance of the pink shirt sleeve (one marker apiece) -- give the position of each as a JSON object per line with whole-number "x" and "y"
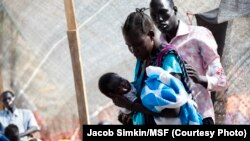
{"x": 216, "y": 77}
{"x": 208, "y": 46}
{"x": 211, "y": 61}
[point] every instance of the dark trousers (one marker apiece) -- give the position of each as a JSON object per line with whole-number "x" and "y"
{"x": 208, "y": 121}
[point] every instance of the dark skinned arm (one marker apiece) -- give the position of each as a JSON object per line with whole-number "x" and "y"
{"x": 164, "y": 113}
{"x": 138, "y": 107}
{"x": 29, "y": 131}
{"x": 133, "y": 106}
{"x": 192, "y": 73}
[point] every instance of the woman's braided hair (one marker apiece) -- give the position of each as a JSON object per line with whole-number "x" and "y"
{"x": 138, "y": 22}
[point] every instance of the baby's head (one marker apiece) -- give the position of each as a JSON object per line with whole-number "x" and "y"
{"x": 111, "y": 84}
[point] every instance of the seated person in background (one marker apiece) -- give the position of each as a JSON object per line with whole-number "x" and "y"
{"x": 23, "y": 118}
{"x": 12, "y": 132}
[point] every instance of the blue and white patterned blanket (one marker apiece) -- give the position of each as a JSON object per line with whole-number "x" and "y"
{"x": 162, "y": 90}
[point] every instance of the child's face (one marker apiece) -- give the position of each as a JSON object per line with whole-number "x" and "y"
{"x": 120, "y": 85}
{"x": 163, "y": 15}
{"x": 140, "y": 45}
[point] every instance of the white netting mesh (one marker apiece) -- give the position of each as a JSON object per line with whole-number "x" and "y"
{"x": 35, "y": 60}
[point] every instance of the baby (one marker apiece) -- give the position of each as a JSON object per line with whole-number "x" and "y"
{"x": 123, "y": 94}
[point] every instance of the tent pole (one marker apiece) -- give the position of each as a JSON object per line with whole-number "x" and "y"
{"x": 74, "y": 45}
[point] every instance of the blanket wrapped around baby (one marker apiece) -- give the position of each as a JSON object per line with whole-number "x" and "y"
{"x": 163, "y": 90}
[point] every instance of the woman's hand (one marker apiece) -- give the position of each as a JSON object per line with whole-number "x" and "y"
{"x": 192, "y": 73}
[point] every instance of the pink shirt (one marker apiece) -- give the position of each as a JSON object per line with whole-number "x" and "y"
{"x": 197, "y": 46}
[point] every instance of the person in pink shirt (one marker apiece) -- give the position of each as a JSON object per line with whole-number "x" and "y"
{"x": 197, "y": 46}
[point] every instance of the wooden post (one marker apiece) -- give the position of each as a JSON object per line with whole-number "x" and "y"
{"x": 74, "y": 45}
